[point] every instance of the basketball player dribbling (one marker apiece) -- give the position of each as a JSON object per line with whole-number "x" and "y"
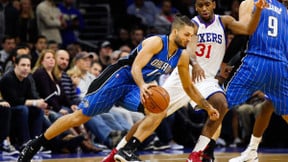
{"x": 126, "y": 83}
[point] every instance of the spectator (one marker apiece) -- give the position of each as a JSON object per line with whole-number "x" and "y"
{"x": 122, "y": 38}
{"x": 50, "y": 20}
{"x": 27, "y": 22}
{"x": 73, "y": 49}
{"x": 75, "y": 75}
{"x": 26, "y": 106}
{"x": 5, "y": 118}
{"x": 164, "y": 18}
{"x": 39, "y": 46}
{"x": 145, "y": 10}
{"x": 53, "y": 45}
{"x": 137, "y": 35}
{"x": 47, "y": 78}
{"x": 62, "y": 60}
{"x": 105, "y": 54}
{"x": 95, "y": 68}
{"x": 8, "y": 44}
{"x": 19, "y": 50}
{"x": 74, "y": 21}
{"x": 125, "y": 48}
{"x": 83, "y": 61}
{"x": 8, "y": 16}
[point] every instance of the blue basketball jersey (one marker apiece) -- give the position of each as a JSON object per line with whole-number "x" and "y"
{"x": 160, "y": 63}
{"x": 115, "y": 85}
{"x": 265, "y": 65}
{"x": 270, "y": 38}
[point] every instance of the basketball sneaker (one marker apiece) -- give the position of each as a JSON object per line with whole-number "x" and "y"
{"x": 195, "y": 157}
{"x": 246, "y": 156}
{"x": 125, "y": 156}
{"x": 31, "y": 148}
{"x": 110, "y": 157}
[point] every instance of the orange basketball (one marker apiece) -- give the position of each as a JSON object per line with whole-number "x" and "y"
{"x": 158, "y": 101}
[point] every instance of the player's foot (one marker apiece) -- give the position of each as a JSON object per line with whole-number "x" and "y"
{"x": 125, "y": 156}
{"x": 31, "y": 148}
{"x": 246, "y": 156}
{"x": 195, "y": 157}
{"x": 110, "y": 157}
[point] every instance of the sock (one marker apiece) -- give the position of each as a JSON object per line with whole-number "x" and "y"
{"x": 254, "y": 142}
{"x": 122, "y": 143}
{"x": 209, "y": 150}
{"x": 42, "y": 140}
{"x": 201, "y": 143}
{"x": 132, "y": 144}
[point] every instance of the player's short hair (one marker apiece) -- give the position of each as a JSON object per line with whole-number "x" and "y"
{"x": 180, "y": 21}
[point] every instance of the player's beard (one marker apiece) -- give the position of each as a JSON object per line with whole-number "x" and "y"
{"x": 178, "y": 42}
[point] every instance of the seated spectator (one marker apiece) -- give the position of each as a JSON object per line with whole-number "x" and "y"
{"x": 105, "y": 54}
{"x": 137, "y": 35}
{"x": 95, "y": 68}
{"x": 5, "y": 118}
{"x": 26, "y": 106}
{"x": 8, "y": 45}
{"x": 53, "y": 45}
{"x": 19, "y": 50}
{"x": 75, "y": 75}
{"x": 39, "y": 45}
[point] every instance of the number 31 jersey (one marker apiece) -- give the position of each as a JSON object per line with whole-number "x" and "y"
{"x": 211, "y": 44}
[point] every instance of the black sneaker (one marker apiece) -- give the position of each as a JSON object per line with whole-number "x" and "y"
{"x": 31, "y": 148}
{"x": 158, "y": 145}
{"x": 125, "y": 156}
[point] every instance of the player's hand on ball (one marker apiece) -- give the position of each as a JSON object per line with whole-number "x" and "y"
{"x": 144, "y": 91}
{"x": 213, "y": 114}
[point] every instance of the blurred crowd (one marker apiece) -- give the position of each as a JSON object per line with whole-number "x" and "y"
{"x": 57, "y": 72}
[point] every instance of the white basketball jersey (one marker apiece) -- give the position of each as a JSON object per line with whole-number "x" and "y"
{"x": 211, "y": 45}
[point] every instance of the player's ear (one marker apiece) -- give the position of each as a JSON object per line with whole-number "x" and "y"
{"x": 214, "y": 4}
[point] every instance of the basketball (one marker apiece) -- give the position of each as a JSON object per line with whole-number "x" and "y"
{"x": 158, "y": 101}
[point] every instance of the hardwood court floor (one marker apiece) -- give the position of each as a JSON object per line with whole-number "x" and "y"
{"x": 220, "y": 157}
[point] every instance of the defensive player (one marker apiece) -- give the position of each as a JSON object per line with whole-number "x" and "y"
{"x": 126, "y": 83}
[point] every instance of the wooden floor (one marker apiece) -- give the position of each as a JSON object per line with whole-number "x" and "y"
{"x": 220, "y": 157}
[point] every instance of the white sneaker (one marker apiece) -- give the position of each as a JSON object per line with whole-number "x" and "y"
{"x": 246, "y": 156}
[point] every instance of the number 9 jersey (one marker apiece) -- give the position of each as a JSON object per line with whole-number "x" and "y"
{"x": 211, "y": 44}
{"x": 270, "y": 38}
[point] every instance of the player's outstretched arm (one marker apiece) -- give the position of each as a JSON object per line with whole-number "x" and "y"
{"x": 248, "y": 17}
{"x": 191, "y": 90}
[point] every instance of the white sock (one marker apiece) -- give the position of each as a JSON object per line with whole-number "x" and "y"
{"x": 254, "y": 142}
{"x": 122, "y": 143}
{"x": 201, "y": 143}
